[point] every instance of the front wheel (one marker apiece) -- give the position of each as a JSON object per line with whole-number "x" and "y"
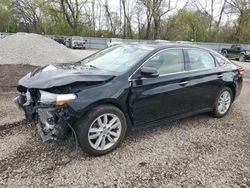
{"x": 223, "y": 102}
{"x": 224, "y": 53}
{"x": 101, "y": 130}
{"x": 242, "y": 58}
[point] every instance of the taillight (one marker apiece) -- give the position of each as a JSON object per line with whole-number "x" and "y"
{"x": 241, "y": 71}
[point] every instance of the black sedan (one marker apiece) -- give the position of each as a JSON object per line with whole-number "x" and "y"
{"x": 125, "y": 88}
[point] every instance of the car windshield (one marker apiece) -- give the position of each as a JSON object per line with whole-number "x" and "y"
{"x": 117, "y": 59}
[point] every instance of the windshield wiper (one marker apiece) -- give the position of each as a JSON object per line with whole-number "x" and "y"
{"x": 92, "y": 66}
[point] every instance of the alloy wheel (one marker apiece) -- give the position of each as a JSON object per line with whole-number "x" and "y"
{"x": 104, "y": 132}
{"x": 224, "y": 102}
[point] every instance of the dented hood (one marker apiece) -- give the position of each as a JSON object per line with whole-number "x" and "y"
{"x": 63, "y": 74}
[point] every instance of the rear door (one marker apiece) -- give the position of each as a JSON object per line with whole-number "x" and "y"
{"x": 204, "y": 77}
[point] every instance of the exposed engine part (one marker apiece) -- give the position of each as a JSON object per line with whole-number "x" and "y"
{"x": 28, "y": 99}
{"x": 47, "y": 118}
{"x": 50, "y": 127}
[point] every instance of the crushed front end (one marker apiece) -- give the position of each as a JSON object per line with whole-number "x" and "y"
{"x": 50, "y": 111}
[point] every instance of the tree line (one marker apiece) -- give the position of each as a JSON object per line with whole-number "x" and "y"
{"x": 180, "y": 20}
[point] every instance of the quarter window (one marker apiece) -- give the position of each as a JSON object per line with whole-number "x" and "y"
{"x": 167, "y": 61}
{"x": 220, "y": 60}
{"x": 200, "y": 59}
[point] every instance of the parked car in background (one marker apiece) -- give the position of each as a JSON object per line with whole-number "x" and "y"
{"x": 184, "y": 42}
{"x": 67, "y": 41}
{"x": 77, "y": 42}
{"x": 240, "y": 52}
{"x": 4, "y": 34}
{"x": 59, "y": 39}
{"x": 162, "y": 41}
{"x": 114, "y": 42}
{"x": 125, "y": 88}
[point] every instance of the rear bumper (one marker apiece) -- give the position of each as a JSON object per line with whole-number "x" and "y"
{"x": 247, "y": 57}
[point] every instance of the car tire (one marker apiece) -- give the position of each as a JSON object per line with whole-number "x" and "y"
{"x": 224, "y": 53}
{"x": 96, "y": 133}
{"x": 242, "y": 58}
{"x": 223, "y": 102}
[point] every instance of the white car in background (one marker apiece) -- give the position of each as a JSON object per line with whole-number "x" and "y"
{"x": 114, "y": 42}
{"x": 184, "y": 42}
{"x": 77, "y": 42}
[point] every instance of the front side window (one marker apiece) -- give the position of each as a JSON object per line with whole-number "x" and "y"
{"x": 167, "y": 61}
{"x": 200, "y": 59}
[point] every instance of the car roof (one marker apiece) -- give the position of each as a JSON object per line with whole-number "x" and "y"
{"x": 164, "y": 45}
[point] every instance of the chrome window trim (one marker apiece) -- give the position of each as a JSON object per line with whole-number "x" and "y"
{"x": 181, "y": 48}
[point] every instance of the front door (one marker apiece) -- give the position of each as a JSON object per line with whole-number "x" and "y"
{"x": 152, "y": 99}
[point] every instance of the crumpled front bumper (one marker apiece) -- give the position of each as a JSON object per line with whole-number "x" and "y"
{"x": 29, "y": 112}
{"x": 53, "y": 123}
{"x": 50, "y": 125}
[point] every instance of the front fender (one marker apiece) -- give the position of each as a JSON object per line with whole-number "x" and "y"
{"x": 111, "y": 92}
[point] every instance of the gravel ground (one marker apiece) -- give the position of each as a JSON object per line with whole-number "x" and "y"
{"x": 200, "y": 151}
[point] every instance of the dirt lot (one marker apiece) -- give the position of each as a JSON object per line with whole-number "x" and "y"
{"x": 195, "y": 152}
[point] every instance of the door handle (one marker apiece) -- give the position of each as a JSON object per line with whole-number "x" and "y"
{"x": 183, "y": 83}
{"x": 219, "y": 75}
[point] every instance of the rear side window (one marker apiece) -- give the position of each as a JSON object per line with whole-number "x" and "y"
{"x": 167, "y": 61}
{"x": 200, "y": 59}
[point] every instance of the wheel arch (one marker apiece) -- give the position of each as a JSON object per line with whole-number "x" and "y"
{"x": 112, "y": 102}
{"x": 224, "y": 51}
{"x": 233, "y": 88}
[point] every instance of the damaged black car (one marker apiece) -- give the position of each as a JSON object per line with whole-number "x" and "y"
{"x": 125, "y": 88}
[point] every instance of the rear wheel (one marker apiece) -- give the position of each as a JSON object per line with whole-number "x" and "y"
{"x": 101, "y": 130}
{"x": 223, "y": 102}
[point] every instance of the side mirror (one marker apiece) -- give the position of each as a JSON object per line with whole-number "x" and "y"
{"x": 149, "y": 72}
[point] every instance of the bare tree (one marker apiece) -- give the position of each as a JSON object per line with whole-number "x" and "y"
{"x": 108, "y": 17}
{"x": 71, "y": 11}
{"x": 127, "y": 13}
{"x": 29, "y": 13}
{"x": 93, "y": 15}
{"x": 214, "y": 9}
{"x": 149, "y": 15}
{"x": 139, "y": 14}
{"x": 156, "y": 9}
{"x": 238, "y": 7}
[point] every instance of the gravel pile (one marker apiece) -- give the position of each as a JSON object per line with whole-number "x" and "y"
{"x": 33, "y": 49}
